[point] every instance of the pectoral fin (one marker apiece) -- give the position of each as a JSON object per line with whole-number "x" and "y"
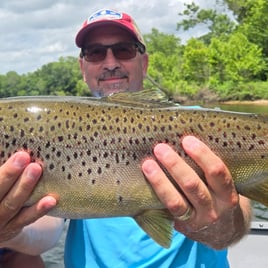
{"x": 158, "y": 224}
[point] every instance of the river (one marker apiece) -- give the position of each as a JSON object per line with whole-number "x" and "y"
{"x": 54, "y": 257}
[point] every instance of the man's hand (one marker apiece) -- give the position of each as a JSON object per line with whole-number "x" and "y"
{"x": 210, "y": 212}
{"x": 18, "y": 177}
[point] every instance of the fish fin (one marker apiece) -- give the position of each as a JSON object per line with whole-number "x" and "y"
{"x": 256, "y": 190}
{"x": 147, "y": 98}
{"x": 158, "y": 224}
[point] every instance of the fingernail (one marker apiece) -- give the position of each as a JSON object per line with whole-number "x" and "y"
{"x": 190, "y": 143}
{"x": 149, "y": 167}
{"x": 20, "y": 161}
{"x": 33, "y": 173}
{"x": 162, "y": 150}
{"x": 50, "y": 202}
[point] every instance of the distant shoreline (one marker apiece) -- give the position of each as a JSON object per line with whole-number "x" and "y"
{"x": 256, "y": 102}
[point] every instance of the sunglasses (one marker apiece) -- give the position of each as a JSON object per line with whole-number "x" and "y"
{"x": 121, "y": 51}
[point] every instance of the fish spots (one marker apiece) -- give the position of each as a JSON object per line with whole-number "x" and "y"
{"x": 107, "y": 165}
{"x": 117, "y": 158}
{"x": 251, "y": 147}
{"x": 200, "y": 127}
{"x": 51, "y": 166}
{"x": 22, "y": 133}
{"x": 99, "y": 170}
{"x": 225, "y": 144}
{"x": 253, "y": 136}
{"x": 261, "y": 142}
{"x": 239, "y": 144}
{"x": 212, "y": 124}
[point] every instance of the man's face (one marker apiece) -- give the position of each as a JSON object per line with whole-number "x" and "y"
{"x": 112, "y": 75}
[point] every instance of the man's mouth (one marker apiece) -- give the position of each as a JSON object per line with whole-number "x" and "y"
{"x": 112, "y": 75}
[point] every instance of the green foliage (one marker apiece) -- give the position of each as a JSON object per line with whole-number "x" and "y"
{"x": 235, "y": 59}
{"x": 253, "y": 20}
{"x": 243, "y": 91}
{"x": 56, "y": 78}
{"x": 165, "y": 53}
{"x": 217, "y": 24}
{"x": 195, "y": 62}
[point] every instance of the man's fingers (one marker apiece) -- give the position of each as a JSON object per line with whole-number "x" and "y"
{"x": 11, "y": 170}
{"x": 163, "y": 187}
{"x": 26, "y": 216}
{"x": 217, "y": 174}
{"x": 20, "y": 191}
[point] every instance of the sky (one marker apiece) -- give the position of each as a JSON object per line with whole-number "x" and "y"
{"x": 36, "y": 32}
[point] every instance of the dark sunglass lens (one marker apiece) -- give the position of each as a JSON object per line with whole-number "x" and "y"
{"x": 95, "y": 54}
{"x": 124, "y": 51}
{"x": 121, "y": 51}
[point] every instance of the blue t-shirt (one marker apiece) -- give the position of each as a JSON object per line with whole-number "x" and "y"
{"x": 121, "y": 243}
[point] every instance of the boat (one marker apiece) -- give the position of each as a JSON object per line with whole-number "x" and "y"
{"x": 250, "y": 252}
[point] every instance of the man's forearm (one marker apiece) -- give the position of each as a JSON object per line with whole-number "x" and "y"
{"x": 37, "y": 237}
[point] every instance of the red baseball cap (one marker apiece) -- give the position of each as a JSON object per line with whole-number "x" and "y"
{"x": 105, "y": 17}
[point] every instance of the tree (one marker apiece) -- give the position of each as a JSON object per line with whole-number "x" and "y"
{"x": 195, "y": 62}
{"x": 252, "y": 18}
{"x": 165, "y": 53}
{"x": 10, "y": 84}
{"x": 218, "y": 24}
{"x": 235, "y": 59}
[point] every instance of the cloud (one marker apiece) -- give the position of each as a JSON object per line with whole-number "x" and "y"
{"x": 35, "y": 32}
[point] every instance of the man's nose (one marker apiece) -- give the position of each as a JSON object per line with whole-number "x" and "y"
{"x": 110, "y": 62}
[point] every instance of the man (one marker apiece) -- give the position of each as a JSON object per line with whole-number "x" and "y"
{"x": 206, "y": 215}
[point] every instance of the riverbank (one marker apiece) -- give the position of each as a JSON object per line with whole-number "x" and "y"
{"x": 256, "y": 102}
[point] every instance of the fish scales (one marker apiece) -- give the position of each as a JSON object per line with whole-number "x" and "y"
{"x": 92, "y": 150}
{"x": 79, "y": 155}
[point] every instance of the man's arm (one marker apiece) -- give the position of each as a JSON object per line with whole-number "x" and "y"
{"x": 219, "y": 216}
{"x": 38, "y": 237}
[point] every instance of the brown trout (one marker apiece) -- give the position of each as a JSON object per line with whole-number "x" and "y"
{"x": 92, "y": 151}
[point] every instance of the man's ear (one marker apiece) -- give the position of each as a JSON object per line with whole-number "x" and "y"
{"x": 81, "y": 65}
{"x": 145, "y": 62}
